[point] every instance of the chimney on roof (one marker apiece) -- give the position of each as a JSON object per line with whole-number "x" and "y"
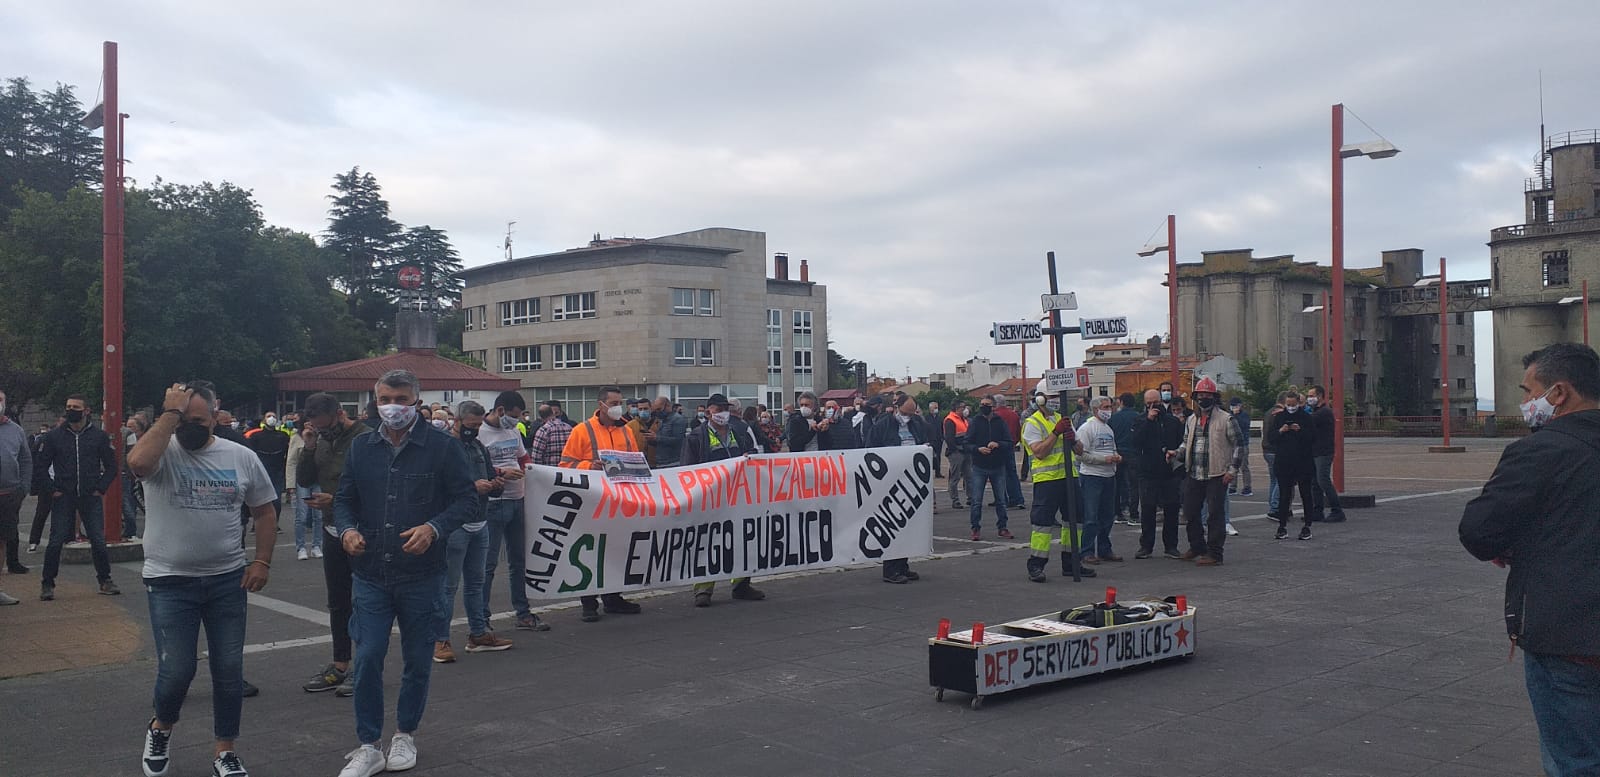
{"x": 780, "y": 266}
{"x": 416, "y": 330}
{"x": 805, "y": 272}
{"x": 1153, "y": 346}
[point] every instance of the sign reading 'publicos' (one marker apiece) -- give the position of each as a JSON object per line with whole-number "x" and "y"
{"x": 756, "y": 515}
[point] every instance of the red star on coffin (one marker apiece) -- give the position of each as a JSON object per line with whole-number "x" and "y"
{"x": 1183, "y": 635}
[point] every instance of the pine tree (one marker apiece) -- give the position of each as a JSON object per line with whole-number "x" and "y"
{"x": 429, "y": 250}
{"x": 362, "y": 234}
{"x": 72, "y": 150}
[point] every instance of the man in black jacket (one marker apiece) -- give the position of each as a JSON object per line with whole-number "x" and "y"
{"x": 1292, "y": 440}
{"x": 987, "y": 446}
{"x": 1537, "y": 515}
{"x": 892, "y": 428}
{"x": 85, "y": 465}
{"x": 1325, "y": 495}
{"x": 1155, "y": 432}
{"x": 723, "y": 436}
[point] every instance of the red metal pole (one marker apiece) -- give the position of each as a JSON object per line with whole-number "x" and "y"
{"x": 1336, "y": 359}
{"x": 111, "y": 315}
{"x": 1172, "y": 297}
{"x": 1585, "y": 311}
{"x": 1327, "y": 340}
{"x": 1444, "y": 353}
{"x": 1025, "y": 371}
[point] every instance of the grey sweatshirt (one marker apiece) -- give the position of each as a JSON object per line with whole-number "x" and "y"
{"x": 16, "y": 459}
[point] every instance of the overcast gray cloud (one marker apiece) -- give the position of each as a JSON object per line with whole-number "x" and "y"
{"x": 922, "y": 155}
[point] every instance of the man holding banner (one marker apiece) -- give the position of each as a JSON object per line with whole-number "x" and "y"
{"x": 903, "y": 427}
{"x": 722, "y": 437}
{"x": 607, "y": 430}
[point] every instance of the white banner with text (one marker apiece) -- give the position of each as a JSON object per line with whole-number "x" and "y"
{"x": 747, "y": 517}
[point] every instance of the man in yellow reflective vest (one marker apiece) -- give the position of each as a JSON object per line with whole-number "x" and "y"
{"x": 1049, "y": 437}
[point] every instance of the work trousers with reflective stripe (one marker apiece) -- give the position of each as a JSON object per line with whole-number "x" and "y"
{"x": 1049, "y": 511}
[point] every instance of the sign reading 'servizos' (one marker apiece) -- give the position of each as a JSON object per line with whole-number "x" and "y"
{"x": 751, "y": 516}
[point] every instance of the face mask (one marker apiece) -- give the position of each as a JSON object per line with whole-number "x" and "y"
{"x": 934, "y": 410}
{"x": 438, "y": 423}
{"x": 1103, "y": 415}
{"x": 1313, "y": 401}
{"x": 700, "y": 416}
{"x": 506, "y": 422}
{"x": 828, "y": 414}
{"x": 397, "y": 416}
{"x": 1291, "y": 409}
{"x": 721, "y": 419}
{"x": 74, "y": 416}
{"x": 966, "y": 412}
{"x": 1166, "y": 396}
{"x": 1538, "y": 411}
{"x": 805, "y": 412}
{"x": 615, "y": 412}
{"x": 766, "y": 419}
{"x": 469, "y": 433}
{"x": 288, "y": 425}
{"x": 1206, "y": 403}
{"x": 985, "y": 409}
{"x": 271, "y": 423}
{"x": 1052, "y": 405}
{"x": 192, "y": 436}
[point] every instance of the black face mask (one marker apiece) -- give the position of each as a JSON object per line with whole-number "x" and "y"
{"x": 468, "y": 433}
{"x": 192, "y": 436}
{"x": 1206, "y": 403}
{"x": 74, "y": 416}
{"x": 985, "y": 409}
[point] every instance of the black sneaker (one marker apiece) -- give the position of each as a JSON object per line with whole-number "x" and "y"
{"x": 47, "y": 592}
{"x": 108, "y": 588}
{"x": 1143, "y": 553}
{"x": 590, "y": 615}
{"x": 155, "y": 760}
{"x": 248, "y": 691}
{"x": 912, "y": 575}
{"x": 1283, "y": 531}
{"x": 748, "y": 593}
{"x": 1337, "y": 516}
{"x": 227, "y": 765}
{"x": 1174, "y": 555}
{"x": 531, "y": 622}
{"x": 896, "y": 579}
{"x": 614, "y": 604}
{"x": 1305, "y": 532}
{"x": 326, "y": 680}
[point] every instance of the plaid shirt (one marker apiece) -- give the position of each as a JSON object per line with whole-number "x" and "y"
{"x": 549, "y": 441}
{"x": 1199, "y": 445}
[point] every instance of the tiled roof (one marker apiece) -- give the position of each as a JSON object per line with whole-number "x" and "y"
{"x": 434, "y": 371}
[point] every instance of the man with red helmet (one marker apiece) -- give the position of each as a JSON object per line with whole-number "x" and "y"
{"x": 1212, "y": 452}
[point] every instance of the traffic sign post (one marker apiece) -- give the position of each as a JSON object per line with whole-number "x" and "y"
{"x": 1067, "y": 301}
{"x": 1070, "y": 379}
{"x": 1016, "y": 332}
{"x": 1103, "y": 328}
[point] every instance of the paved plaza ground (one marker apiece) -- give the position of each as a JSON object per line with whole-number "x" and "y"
{"x": 1377, "y": 648}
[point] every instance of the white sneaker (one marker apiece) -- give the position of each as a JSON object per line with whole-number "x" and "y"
{"x": 1232, "y": 532}
{"x": 402, "y": 753}
{"x": 301, "y": 554}
{"x": 316, "y": 552}
{"x": 364, "y": 761}
{"x": 155, "y": 759}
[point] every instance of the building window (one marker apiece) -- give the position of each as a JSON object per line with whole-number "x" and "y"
{"x": 1555, "y": 267}
{"x": 1308, "y": 343}
{"x": 1306, "y": 301}
{"x": 474, "y": 318}
{"x": 692, "y": 302}
{"x": 1494, "y": 273}
{"x": 803, "y": 378}
{"x": 774, "y": 328}
{"x": 570, "y": 356}
{"x": 522, "y": 358}
{"x": 1461, "y": 384}
{"x": 1360, "y": 382}
{"x": 687, "y": 351}
{"x": 1461, "y": 319}
{"x": 1597, "y": 157}
{"x": 775, "y": 367}
{"x": 519, "y": 311}
{"x": 1380, "y": 346}
{"x": 1461, "y": 350}
{"x": 570, "y": 306}
{"x": 481, "y": 356}
{"x": 1358, "y": 347}
{"x": 1358, "y": 308}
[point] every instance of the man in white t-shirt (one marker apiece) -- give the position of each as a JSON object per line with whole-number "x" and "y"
{"x": 1097, "y": 464}
{"x": 499, "y": 435}
{"x": 194, "y": 564}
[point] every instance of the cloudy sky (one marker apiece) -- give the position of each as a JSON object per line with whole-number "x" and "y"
{"x": 922, "y": 155}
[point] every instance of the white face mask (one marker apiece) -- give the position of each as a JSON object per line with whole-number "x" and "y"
{"x": 397, "y": 416}
{"x": 438, "y": 423}
{"x": 805, "y": 412}
{"x": 507, "y": 422}
{"x": 272, "y": 423}
{"x": 828, "y": 414}
{"x": 1313, "y": 401}
{"x": 1103, "y": 414}
{"x": 615, "y": 412}
{"x": 721, "y": 419}
{"x": 1538, "y": 411}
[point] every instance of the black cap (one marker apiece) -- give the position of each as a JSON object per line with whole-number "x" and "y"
{"x": 877, "y": 400}
{"x": 717, "y": 399}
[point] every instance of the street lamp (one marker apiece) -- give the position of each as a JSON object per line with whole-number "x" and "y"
{"x": 1322, "y": 331}
{"x": 1171, "y": 247}
{"x": 1376, "y": 149}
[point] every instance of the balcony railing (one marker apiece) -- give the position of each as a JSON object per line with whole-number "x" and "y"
{"x": 1573, "y": 138}
{"x": 1564, "y": 227}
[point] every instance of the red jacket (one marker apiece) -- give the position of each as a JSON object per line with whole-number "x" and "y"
{"x": 1013, "y": 421}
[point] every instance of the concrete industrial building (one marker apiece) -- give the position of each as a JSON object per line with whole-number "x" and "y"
{"x": 683, "y": 316}
{"x": 1536, "y": 265}
{"x": 1235, "y": 304}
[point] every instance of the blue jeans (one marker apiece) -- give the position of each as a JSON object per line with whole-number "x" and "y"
{"x": 415, "y": 604}
{"x": 975, "y": 482}
{"x": 68, "y": 509}
{"x": 178, "y": 607}
{"x": 306, "y": 520}
{"x": 1099, "y": 504}
{"x": 506, "y": 527}
{"x": 1272, "y": 478}
{"x": 465, "y": 563}
{"x": 1327, "y": 495}
{"x": 1566, "y": 704}
{"x": 1013, "y": 484}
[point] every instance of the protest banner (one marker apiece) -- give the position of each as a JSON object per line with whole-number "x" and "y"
{"x": 751, "y": 516}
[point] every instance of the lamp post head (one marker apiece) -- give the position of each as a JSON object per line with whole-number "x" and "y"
{"x": 1376, "y": 149}
{"x": 1152, "y": 249}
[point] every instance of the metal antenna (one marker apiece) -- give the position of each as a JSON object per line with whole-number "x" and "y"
{"x": 509, "y": 230}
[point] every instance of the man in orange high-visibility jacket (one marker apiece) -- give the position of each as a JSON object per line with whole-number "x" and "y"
{"x": 606, "y": 430}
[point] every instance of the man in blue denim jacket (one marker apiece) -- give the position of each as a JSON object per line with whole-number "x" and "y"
{"x": 402, "y": 491}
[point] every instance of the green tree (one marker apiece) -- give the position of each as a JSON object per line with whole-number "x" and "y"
{"x": 43, "y": 145}
{"x": 841, "y": 371}
{"x": 1258, "y": 386}
{"x": 363, "y": 236}
{"x": 428, "y": 250}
